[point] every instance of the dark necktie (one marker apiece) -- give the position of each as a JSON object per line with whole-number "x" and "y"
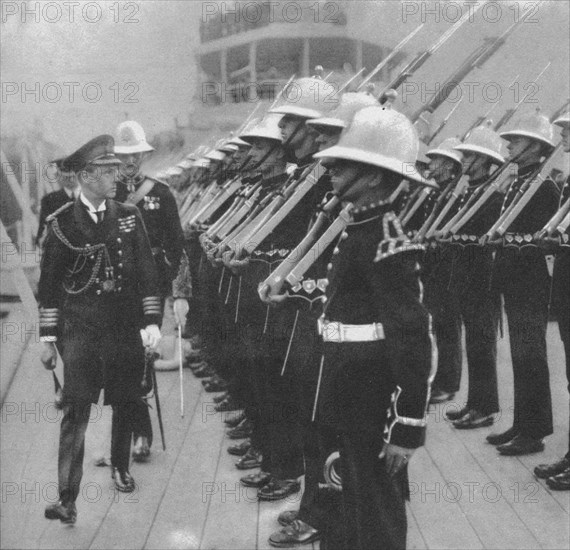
{"x": 100, "y": 215}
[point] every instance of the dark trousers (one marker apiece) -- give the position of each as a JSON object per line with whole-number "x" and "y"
{"x": 319, "y": 504}
{"x": 564, "y": 328}
{"x": 374, "y": 512}
{"x": 143, "y": 424}
{"x": 526, "y": 307}
{"x": 480, "y": 311}
{"x": 72, "y": 444}
{"x": 446, "y": 313}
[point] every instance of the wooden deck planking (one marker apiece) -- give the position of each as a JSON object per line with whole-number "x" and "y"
{"x": 175, "y": 511}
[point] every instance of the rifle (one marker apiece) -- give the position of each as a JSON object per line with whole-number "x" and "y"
{"x": 389, "y": 57}
{"x": 422, "y": 57}
{"x": 522, "y": 198}
{"x": 306, "y": 182}
{"x": 296, "y": 274}
{"x": 277, "y": 277}
{"x": 476, "y": 60}
{"x": 509, "y": 113}
{"x": 480, "y": 119}
{"x": 443, "y": 123}
{"x": 554, "y": 222}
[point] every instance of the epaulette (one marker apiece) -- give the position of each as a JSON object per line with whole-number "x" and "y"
{"x": 61, "y": 209}
{"x": 397, "y": 244}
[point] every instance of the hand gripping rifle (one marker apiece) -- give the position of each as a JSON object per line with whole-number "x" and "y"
{"x": 277, "y": 278}
{"x": 422, "y": 57}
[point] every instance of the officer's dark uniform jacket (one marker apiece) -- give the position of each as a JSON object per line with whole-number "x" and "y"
{"x": 98, "y": 287}
{"x": 372, "y": 283}
{"x": 162, "y": 222}
{"x": 49, "y": 204}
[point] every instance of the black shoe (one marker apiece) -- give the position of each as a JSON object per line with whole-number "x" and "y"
{"x": 560, "y": 482}
{"x": 227, "y": 405}
{"x": 502, "y": 438}
{"x": 256, "y": 480}
{"x": 124, "y": 481}
{"x": 521, "y": 445}
{"x": 219, "y": 398}
{"x": 295, "y": 534}
{"x": 440, "y": 396}
{"x": 204, "y": 372}
{"x": 456, "y": 414}
{"x": 233, "y": 420}
{"x": 240, "y": 449}
{"x": 141, "y": 450}
{"x": 241, "y": 431}
{"x": 215, "y": 384}
{"x": 473, "y": 419}
{"x": 544, "y": 471}
{"x": 278, "y": 489}
{"x": 251, "y": 459}
{"x": 65, "y": 512}
{"x": 287, "y": 517}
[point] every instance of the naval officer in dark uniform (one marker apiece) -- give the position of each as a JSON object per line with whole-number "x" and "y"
{"x": 98, "y": 286}
{"x": 158, "y": 208}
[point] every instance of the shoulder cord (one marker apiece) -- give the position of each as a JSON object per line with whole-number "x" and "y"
{"x": 100, "y": 249}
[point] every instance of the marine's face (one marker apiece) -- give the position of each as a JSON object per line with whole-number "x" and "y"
{"x": 99, "y": 182}
{"x": 327, "y": 136}
{"x": 440, "y": 167}
{"x": 260, "y": 150}
{"x": 131, "y": 163}
{"x": 518, "y": 147}
{"x": 473, "y": 163}
{"x": 343, "y": 174}
{"x": 293, "y": 130}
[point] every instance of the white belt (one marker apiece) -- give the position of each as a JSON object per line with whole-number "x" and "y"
{"x": 341, "y": 332}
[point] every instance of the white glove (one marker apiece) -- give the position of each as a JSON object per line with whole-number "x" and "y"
{"x": 150, "y": 336}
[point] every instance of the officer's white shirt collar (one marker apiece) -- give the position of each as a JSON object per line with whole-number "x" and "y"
{"x": 71, "y": 193}
{"x": 90, "y": 208}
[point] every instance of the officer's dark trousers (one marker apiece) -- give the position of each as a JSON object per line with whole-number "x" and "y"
{"x": 526, "y": 307}
{"x": 72, "y": 444}
{"x": 373, "y": 503}
{"x": 143, "y": 425}
{"x": 446, "y": 313}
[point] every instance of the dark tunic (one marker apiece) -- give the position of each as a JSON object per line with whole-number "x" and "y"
{"x": 162, "y": 222}
{"x": 98, "y": 330}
